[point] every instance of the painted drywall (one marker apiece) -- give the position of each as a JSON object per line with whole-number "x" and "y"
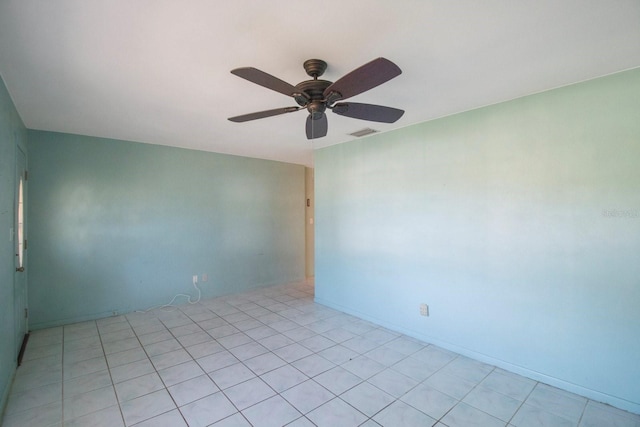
{"x": 518, "y": 224}
{"x": 12, "y": 135}
{"x": 118, "y": 226}
{"x": 309, "y": 219}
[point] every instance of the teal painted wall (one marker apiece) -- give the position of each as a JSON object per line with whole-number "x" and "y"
{"x": 519, "y": 225}
{"x": 122, "y": 226}
{"x": 12, "y": 134}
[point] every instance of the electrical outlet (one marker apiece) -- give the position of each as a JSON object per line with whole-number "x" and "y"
{"x": 205, "y": 277}
{"x": 424, "y": 309}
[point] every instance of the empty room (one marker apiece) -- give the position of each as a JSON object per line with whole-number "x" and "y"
{"x": 347, "y": 213}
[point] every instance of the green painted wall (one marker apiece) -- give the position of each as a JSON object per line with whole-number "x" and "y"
{"x": 122, "y": 226}
{"x": 519, "y": 225}
{"x": 12, "y": 135}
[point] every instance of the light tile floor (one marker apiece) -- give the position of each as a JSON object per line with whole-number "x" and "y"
{"x": 272, "y": 357}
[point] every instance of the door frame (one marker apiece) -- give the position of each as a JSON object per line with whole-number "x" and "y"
{"x": 20, "y": 300}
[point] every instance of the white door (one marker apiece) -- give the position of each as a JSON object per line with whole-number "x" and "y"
{"x": 20, "y": 244}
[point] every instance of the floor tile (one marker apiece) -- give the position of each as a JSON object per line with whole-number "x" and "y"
{"x": 392, "y": 382}
{"x": 192, "y": 390}
{"x": 468, "y": 369}
{"x": 162, "y": 347}
{"x": 168, "y": 419}
{"x": 208, "y": 410}
{"x": 131, "y": 370}
{"x": 317, "y": 343}
{"x": 147, "y": 406}
{"x": 367, "y": 399}
{"x": 108, "y": 417}
{"x": 561, "y": 403}
{"x": 455, "y": 387}
{"x": 360, "y": 344}
{"x": 179, "y": 373}
{"x": 337, "y": 380}
{"x": 276, "y": 341}
{"x": 264, "y": 363}
{"x": 216, "y": 361}
{"x": 385, "y": 356}
{"x": 85, "y": 367}
{"x": 434, "y": 357}
{"x": 261, "y": 332}
{"x": 204, "y": 349}
{"x": 43, "y": 351}
{"x": 466, "y": 416}
{"x": 413, "y": 368}
{"x": 363, "y": 367}
{"x": 249, "y": 393}
{"x": 532, "y": 416}
{"x": 231, "y": 375}
{"x": 599, "y": 414}
{"x": 136, "y": 387}
{"x": 284, "y": 378}
{"x": 172, "y": 358}
{"x": 248, "y": 351}
{"x": 509, "y": 384}
{"x": 236, "y": 420}
{"x": 155, "y": 337}
{"x": 234, "y": 340}
{"x": 184, "y": 330}
{"x": 307, "y": 396}
{"x": 273, "y": 412}
{"x": 33, "y": 398}
{"x": 401, "y": 414}
{"x": 120, "y": 345}
{"x": 86, "y": 403}
{"x": 193, "y": 339}
{"x": 117, "y": 335}
{"x": 73, "y": 356}
{"x": 493, "y": 403}
{"x": 338, "y": 335}
{"x": 338, "y": 354}
{"x": 405, "y": 345}
{"x": 299, "y": 333}
{"x": 292, "y": 352}
{"x": 124, "y": 357}
{"x": 336, "y": 413}
{"x": 222, "y": 331}
{"x": 43, "y": 416}
{"x": 313, "y": 365}
{"x": 430, "y": 401}
{"x": 86, "y": 383}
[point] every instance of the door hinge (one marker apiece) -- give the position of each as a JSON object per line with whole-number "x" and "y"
{"x": 26, "y": 313}
{"x": 25, "y": 244}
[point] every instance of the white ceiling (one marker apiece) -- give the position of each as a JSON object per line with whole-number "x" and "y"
{"x": 157, "y": 71}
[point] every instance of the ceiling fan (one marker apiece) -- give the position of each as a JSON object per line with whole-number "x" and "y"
{"x": 319, "y": 95}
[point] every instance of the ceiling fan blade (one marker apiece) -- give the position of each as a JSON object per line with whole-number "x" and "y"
{"x": 263, "y": 114}
{"x": 317, "y": 128}
{"x": 362, "y": 79}
{"x": 374, "y": 113}
{"x": 266, "y": 80}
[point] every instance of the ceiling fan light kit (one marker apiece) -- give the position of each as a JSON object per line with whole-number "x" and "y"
{"x": 316, "y": 96}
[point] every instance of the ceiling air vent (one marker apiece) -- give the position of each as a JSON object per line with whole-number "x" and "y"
{"x": 363, "y": 132}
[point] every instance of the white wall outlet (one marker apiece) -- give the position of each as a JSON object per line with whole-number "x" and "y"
{"x": 424, "y": 309}
{"x": 205, "y": 277}
{"x": 195, "y": 279}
